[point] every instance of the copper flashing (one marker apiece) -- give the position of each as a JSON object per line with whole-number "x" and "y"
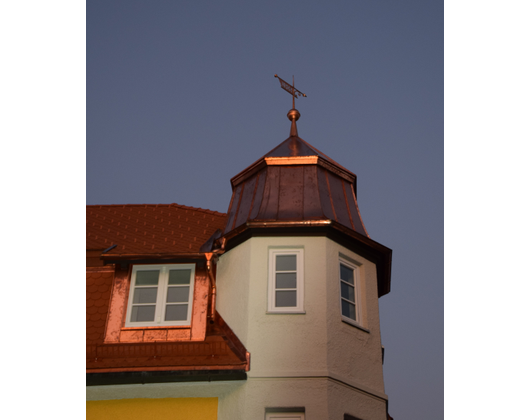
{"x": 292, "y": 160}
{"x": 291, "y": 223}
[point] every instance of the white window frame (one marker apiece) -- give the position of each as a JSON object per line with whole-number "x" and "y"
{"x": 299, "y": 308}
{"x": 161, "y": 295}
{"x": 356, "y": 290}
{"x": 284, "y": 416}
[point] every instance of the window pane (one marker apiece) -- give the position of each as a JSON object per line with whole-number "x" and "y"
{"x": 145, "y": 295}
{"x": 346, "y": 274}
{"x": 143, "y": 313}
{"x": 147, "y": 278}
{"x": 178, "y": 294}
{"x": 348, "y": 310}
{"x": 179, "y": 276}
{"x": 347, "y": 291}
{"x": 176, "y": 312}
{"x": 285, "y": 262}
{"x": 286, "y": 280}
{"x": 286, "y": 299}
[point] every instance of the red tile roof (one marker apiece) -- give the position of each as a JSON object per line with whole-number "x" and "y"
{"x": 98, "y": 285}
{"x": 150, "y": 228}
{"x": 220, "y": 349}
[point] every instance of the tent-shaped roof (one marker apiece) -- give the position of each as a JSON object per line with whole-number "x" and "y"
{"x": 295, "y": 182}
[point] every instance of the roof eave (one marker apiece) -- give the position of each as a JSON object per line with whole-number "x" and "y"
{"x": 145, "y": 376}
{"x": 373, "y": 251}
{"x": 155, "y": 258}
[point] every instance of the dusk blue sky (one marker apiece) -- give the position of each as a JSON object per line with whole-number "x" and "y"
{"x": 181, "y": 96}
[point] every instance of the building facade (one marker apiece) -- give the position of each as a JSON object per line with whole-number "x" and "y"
{"x": 267, "y": 312}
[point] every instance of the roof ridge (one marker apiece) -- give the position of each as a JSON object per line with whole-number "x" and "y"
{"x": 157, "y": 205}
{"x": 198, "y": 209}
{"x": 323, "y": 154}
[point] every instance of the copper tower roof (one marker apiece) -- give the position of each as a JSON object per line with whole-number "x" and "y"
{"x": 294, "y": 182}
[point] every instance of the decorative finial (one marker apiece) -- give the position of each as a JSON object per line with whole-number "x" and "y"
{"x": 293, "y": 114}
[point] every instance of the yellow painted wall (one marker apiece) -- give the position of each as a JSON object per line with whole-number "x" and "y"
{"x": 159, "y": 409}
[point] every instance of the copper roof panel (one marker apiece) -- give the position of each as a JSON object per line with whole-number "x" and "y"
{"x": 269, "y": 205}
{"x": 293, "y": 146}
{"x": 312, "y": 206}
{"x": 339, "y": 201}
{"x": 234, "y": 206}
{"x": 325, "y": 196}
{"x": 258, "y": 196}
{"x": 245, "y": 202}
{"x": 291, "y": 193}
{"x": 354, "y": 210}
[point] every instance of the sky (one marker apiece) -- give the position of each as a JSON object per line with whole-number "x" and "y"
{"x": 181, "y": 96}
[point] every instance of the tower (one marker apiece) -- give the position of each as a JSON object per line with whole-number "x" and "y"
{"x": 299, "y": 283}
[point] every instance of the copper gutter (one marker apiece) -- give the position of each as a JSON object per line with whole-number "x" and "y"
{"x": 160, "y": 255}
{"x": 209, "y": 267}
{"x": 211, "y": 259}
{"x": 168, "y": 368}
{"x": 168, "y": 374}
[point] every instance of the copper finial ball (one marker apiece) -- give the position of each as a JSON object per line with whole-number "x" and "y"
{"x": 293, "y": 114}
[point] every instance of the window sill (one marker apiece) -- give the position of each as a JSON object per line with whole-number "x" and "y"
{"x": 156, "y": 327}
{"x": 354, "y": 324}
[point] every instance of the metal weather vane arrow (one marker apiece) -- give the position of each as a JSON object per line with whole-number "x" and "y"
{"x": 291, "y": 89}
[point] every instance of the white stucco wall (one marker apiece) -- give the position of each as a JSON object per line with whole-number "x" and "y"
{"x": 354, "y": 355}
{"x": 316, "y": 345}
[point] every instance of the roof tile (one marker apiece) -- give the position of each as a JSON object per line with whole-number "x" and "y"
{"x": 144, "y": 229}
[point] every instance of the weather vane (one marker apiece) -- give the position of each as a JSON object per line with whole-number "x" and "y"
{"x": 291, "y": 89}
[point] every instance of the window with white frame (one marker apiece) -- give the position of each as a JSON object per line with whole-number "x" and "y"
{"x": 286, "y": 280}
{"x": 284, "y": 416}
{"x": 160, "y": 295}
{"x": 349, "y": 304}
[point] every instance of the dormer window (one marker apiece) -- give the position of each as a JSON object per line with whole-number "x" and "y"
{"x": 160, "y": 295}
